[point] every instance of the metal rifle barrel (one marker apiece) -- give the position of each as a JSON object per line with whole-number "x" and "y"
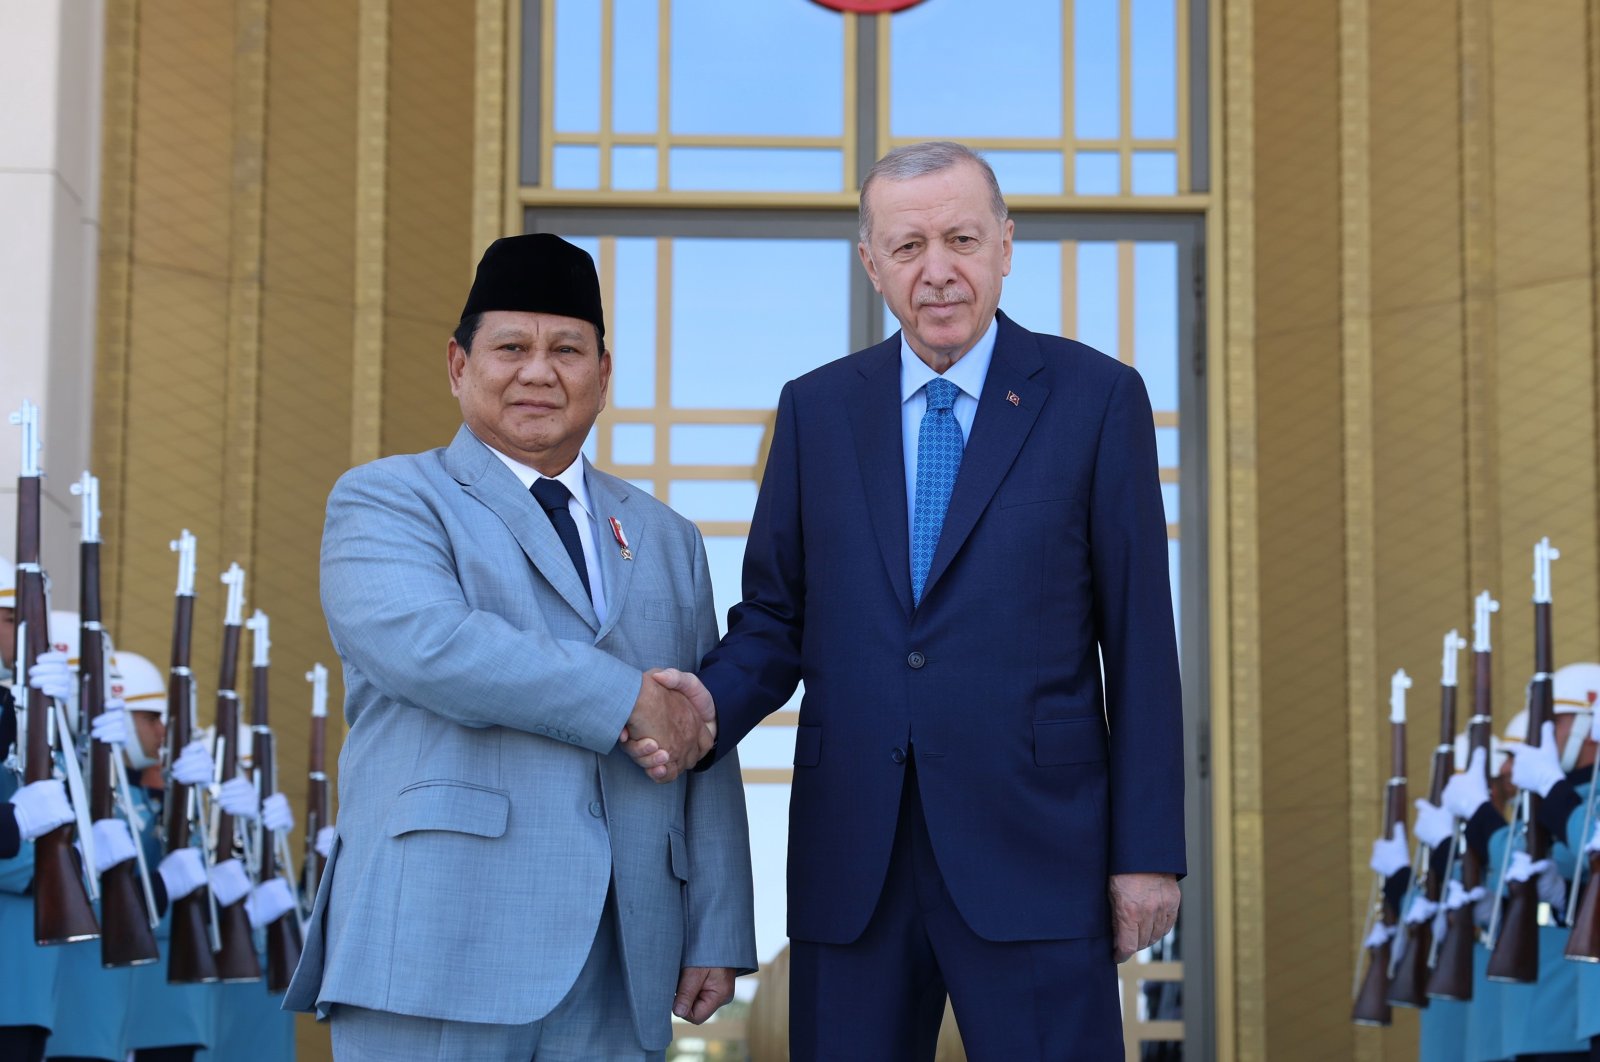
{"x": 236, "y": 960}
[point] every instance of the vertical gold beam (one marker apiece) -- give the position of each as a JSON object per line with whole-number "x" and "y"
{"x": 1478, "y": 302}
{"x": 884, "y": 26}
{"x": 1594, "y": 213}
{"x": 662, "y": 465}
{"x": 607, "y": 65}
{"x": 1125, "y": 322}
{"x": 372, "y": 148}
{"x": 851, "y": 90}
{"x": 489, "y": 161}
{"x": 110, "y": 436}
{"x": 1069, "y": 127}
{"x": 663, "y": 96}
{"x": 608, "y": 297}
{"x": 1360, "y": 547}
{"x": 244, "y": 282}
{"x": 511, "y": 177}
{"x": 1069, "y": 288}
{"x": 1125, "y": 92}
{"x": 547, "y": 92}
{"x": 1243, "y": 830}
{"x": 1182, "y": 126}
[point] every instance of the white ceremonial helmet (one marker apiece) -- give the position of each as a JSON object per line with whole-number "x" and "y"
{"x": 1517, "y": 731}
{"x": 1575, "y": 689}
{"x": 8, "y": 583}
{"x": 64, "y": 634}
{"x": 138, "y": 682}
{"x": 1497, "y": 753}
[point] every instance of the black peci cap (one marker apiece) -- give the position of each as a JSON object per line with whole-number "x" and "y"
{"x": 537, "y": 273}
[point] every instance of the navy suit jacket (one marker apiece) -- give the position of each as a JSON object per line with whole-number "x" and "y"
{"x": 1037, "y": 779}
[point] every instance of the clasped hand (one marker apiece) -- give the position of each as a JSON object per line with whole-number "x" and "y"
{"x": 1144, "y": 908}
{"x": 673, "y": 724}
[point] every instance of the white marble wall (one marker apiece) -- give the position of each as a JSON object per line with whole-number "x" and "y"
{"x": 51, "y": 61}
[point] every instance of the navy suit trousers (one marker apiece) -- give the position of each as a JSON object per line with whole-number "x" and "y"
{"x": 881, "y": 997}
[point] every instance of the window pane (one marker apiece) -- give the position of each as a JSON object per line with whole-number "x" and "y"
{"x": 634, "y": 70}
{"x": 1167, "y": 447}
{"x": 1096, "y": 63}
{"x": 633, "y": 444}
{"x": 576, "y": 166}
{"x": 1155, "y": 173}
{"x": 1098, "y": 173}
{"x": 1032, "y": 293}
{"x": 577, "y": 69}
{"x": 751, "y": 68}
{"x": 725, "y": 558}
{"x": 633, "y": 168}
{"x": 1097, "y": 296}
{"x": 632, "y": 338}
{"x": 1155, "y": 68}
{"x": 714, "y": 499}
{"x": 750, "y": 315}
{"x": 717, "y": 444}
{"x": 767, "y": 807}
{"x": 942, "y": 78}
{"x": 1155, "y": 321}
{"x": 1026, "y": 172}
{"x": 756, "y": 170}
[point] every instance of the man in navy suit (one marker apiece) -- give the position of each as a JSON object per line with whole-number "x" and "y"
{"x": 960, "y": 548}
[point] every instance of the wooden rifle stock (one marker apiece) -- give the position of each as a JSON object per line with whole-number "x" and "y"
{"x": 189, "y": 957}
{"x": 62, "y": 913}
{"x": 236, "y": 960}
{"x": 125, "y": 935}
{"x": 1409, "y": 987}
{"x": 1583, "y": 945}
{"x": 1452, "y": 974}
{"x": 1515, "y": 957}
{"x": 283, "y": 933}
{"x": 1372, "y": 1001}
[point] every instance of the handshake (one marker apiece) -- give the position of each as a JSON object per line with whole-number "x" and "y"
{"x": 674, "y": 724}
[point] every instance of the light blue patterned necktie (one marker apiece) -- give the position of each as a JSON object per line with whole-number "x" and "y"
{"x": 939, "y": 445}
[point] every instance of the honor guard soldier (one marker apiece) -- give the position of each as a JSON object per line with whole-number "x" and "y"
{"x": 27, "y": 1006}
{"x": 166, "y": 1021}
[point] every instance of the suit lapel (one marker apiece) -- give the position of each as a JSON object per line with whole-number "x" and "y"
{"x": 880, "y": 451}
{"x": 609, "y": 497}
{"x": 485, "y": 478}
{"x": 998, "y": 431}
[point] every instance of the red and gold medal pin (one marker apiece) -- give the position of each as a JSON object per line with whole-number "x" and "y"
{"x": 622, "y": 539}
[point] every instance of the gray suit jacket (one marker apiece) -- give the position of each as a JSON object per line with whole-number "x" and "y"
{"x": 484, "y": 806}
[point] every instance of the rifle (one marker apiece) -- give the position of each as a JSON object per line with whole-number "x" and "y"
{"x": 236, "y": 958}
{"x": 62, "y": 913}
{"x": 1583, "y": 943}
{"x": 127, "y": 903}
{"x": 317, "y": 789}
{"x": 1372, "y": 998}
{"x": 1452, "y": 959}
{"x": 1409, "y": 984}
{"x": 283, "y": 933}
{"x": 1515, "y": 949}
{"x": 194, "y": 938}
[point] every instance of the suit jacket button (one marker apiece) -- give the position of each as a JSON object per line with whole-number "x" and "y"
{"x": 916, "y": 659}
{"x": 595, "y": 809}
{"x": 898, "y": 755}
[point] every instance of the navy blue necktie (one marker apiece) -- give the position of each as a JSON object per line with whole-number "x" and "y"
{"x": 552, "y": 496}
{"x": 939, "y": 445}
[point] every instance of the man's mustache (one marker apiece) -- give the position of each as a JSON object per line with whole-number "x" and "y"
{"x": 943, "y": 298}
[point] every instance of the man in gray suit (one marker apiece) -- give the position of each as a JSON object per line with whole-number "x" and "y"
{"x": 506, "y": 883}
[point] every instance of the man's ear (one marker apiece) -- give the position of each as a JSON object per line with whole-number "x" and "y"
{"x": 455, "y": 360}
{"x": 869, "y": 266}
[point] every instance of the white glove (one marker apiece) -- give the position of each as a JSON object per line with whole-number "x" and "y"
{"x": 238, "y": 798}
{"x": 229, "y": 883}
{"x": 1389, "y": 855}
{"x": 40, "y": 807}
{"x": 1466, "y": 792}
{"x": 1537, "y": 768}
{"x": 1380, "y": 935}
{"x": 113, "y": 844}
{"x": 194, "y": 765}
{"x": 1456, "y": 896}
{"x": 182, "y": 872}
{"x": 325, "y": 836}
{"x": 1523, "y": 866}
{"x": 112, "y": 726}
{"x": 52, "y": 675}
{"x": 1551, "y": 885}
{"x": 1434, "y": 824}
{"x": 270, "y": 901}
{"x": 276, "y": 814}
{"x": 1421, "y": 910}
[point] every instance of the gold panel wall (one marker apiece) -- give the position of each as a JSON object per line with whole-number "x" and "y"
{"x": 246, "y": 358}
{"x": 1424, "y": 365}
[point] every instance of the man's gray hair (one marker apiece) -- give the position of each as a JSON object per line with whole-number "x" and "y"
{"x": 919, "y": 160}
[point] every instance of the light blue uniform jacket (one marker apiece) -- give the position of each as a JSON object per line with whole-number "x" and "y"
{"x": 484, "y": 804}
{"x": 27, "y": 971}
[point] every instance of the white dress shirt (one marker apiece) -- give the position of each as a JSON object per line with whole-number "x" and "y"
{"x": 573, "y": 478}
{"x": 967, "y": 374}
